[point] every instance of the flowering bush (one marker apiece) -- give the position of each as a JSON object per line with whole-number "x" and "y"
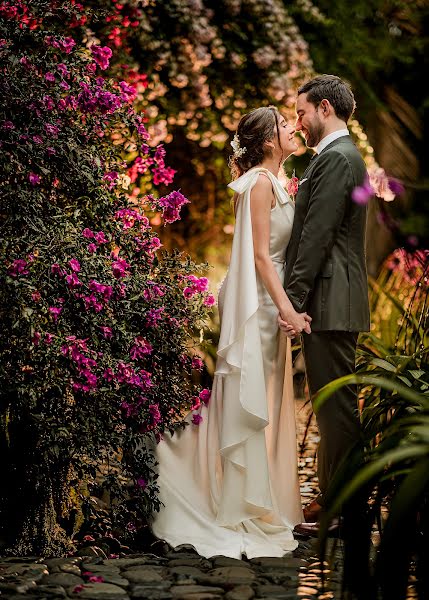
{"x": 98, "y": 323}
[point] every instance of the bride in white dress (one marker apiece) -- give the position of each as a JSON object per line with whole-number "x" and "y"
{"x": 229, "y": 485}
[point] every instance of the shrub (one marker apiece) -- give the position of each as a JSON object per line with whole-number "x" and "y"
{"x": 98, "y": 324}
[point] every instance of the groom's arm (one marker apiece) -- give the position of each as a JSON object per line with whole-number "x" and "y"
{"x": 331, "y": 187}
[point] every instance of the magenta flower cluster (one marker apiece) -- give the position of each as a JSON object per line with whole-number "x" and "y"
{"x": 101, "y": 55}
{"x": 129, "y": 217}
{"x": 140, "y": 349}
{"x": 83, "y": 361}
{"x": 18, "y": 267}
{"x": 65, "y": 44}
{"x": 171, "y": 205}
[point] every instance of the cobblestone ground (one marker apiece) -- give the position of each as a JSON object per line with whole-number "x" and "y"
{"x": 182, "y": 575}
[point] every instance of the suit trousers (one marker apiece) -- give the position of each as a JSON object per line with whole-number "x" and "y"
{"x": 329, "y": 355}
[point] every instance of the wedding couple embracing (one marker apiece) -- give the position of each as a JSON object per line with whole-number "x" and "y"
{"x": 229, "y": 486}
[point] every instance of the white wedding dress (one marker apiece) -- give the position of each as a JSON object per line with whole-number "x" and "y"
{"x": 230, "y": 485}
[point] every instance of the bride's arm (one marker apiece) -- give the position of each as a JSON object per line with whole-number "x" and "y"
{"x": 261, "y": 199}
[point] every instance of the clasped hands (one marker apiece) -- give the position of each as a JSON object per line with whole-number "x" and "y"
{"x": 294, "y": 323}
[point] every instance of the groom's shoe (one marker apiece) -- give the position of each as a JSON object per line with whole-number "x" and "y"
{"x": 312, "y": 512}
{"x": 312, "y": 529}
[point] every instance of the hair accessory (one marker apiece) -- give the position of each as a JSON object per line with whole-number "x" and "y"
{"x": 238, "y": 151}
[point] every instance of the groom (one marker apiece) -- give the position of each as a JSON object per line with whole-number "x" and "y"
{"x": 325, "y": 267}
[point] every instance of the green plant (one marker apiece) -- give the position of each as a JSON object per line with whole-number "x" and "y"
{"x": 393, "y": 474}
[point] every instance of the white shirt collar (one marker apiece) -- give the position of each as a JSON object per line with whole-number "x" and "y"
{"x": 330, "y": 138}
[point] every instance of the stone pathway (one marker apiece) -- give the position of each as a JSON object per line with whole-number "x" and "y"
{"x": 182, "y": 575}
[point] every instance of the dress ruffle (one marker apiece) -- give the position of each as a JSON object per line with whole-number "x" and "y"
{"x": 240, "y": 352}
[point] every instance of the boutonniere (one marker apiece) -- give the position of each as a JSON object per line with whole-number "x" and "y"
{"x": 292, "y": 186}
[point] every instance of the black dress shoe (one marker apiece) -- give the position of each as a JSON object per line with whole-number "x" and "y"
{"x": 312, "y": 511}
{"x": 306, "y": 530}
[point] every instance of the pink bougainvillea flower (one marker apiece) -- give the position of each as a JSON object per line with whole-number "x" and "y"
{"x": 48, "y": 338}
{"x": 188, "y": 292}
{"x": 108, "y": 374}
{"x": 51, "y": 129}
{"x": 34, "y": 179}
{"x": 56, "y": 269}
{"x": 171, "y": 205}
{"x": 50, "y": 77}
{"x": 197, "y": 419}
{"x": 362, "y": 193}
{"x": 153, "y": 316}
{"x": 209, "y": 300}
{"x": 205, "y": 395}
{"x": 141, "y": 348}
{"x": 62, "y": 68}
{"x": 196, "y": 403}
{"x": 129, "y": 217}
{"x": 129, "y": 410}
{"x": 36, "y": 338}
{"x": 202, "y": 284}
{"x": 74, "y": 265}
{"x": 101, "y": 55}
{"x": 73, "y": 281}
{"x": 78, "y": 588}
{"x": 142, "y": 483}
{"x": 95, "y": 579}
{"x": 92, "y": 248}
{"x": 18, "y": 267}
{"x": 111, "y": 178}
{"x": 25, "y": 62}
{"x": 100, "y": 238}
{"x": 155, "y": 413}
{"x": 396, "y": 186}
{"x": 119, "y": 268}
{"x": 67, "y": 44}
{"x": 36, "y": 296}
{"x": 163, "y": 175}
{"x": 87, "y": 233}
{"x": 55, "y": 312}
{"x": 197, "y": 363}
{"x": 48, "y": 102}
{"x": 128, "y": 91}
{"x": 106, "y": 331}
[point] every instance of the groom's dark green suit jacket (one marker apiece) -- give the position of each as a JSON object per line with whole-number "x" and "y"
{"x": 325, "y": 262}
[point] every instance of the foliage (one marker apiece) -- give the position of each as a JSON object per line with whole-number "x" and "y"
{"x": 382, "y": 49}
{"x": 208, "y": 63}
{"x": 99, "y": 325}
{"x": 393, "y": 373}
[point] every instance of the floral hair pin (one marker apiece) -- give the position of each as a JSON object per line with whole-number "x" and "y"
{"x": 238, "y": 151}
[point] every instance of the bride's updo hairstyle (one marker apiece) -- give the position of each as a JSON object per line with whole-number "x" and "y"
{"x": 256, "y": 127}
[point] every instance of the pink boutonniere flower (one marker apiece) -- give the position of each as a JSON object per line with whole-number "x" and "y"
{"x": 292, "y": 186}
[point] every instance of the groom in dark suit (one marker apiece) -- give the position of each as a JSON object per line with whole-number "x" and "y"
{"x": 325, "y": 266}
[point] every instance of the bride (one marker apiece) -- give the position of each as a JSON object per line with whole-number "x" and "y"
{"x": 229, "y": 486}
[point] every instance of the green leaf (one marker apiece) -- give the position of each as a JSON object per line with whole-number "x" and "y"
{"x": 367, "y": 474}
{"x": 379, "y": 382}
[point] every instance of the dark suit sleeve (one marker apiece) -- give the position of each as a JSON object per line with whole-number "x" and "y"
{"x": 331, "y": 186}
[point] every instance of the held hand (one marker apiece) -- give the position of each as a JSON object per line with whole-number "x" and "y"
{"x": 287, "y": 329}
{"x": 295, "y": 323}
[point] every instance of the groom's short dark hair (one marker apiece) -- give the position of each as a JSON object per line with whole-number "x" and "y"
{"x": 334, "y": 89}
